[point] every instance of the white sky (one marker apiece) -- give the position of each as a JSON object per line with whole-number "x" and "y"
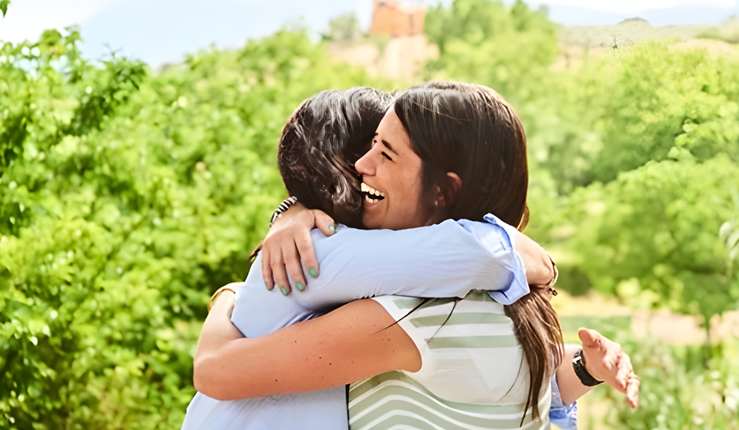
{"x": 28, "y": 18}
{"x": 633, "y": 6}
{"x": 158, "y": 31}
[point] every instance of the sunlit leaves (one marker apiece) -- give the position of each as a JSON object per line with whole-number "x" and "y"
{"x": 126, "y": 197}
{"x": 4, "y": 6}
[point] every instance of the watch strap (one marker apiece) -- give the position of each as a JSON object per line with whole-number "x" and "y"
{"x": 578, "y": 363}
{"x": 285, "y": 205}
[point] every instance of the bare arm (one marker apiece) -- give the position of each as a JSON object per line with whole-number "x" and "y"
{"x": 302, "y": 357}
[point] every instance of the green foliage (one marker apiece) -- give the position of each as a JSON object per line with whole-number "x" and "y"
{"x": 632, "y": 106}
{"x": 679, "y": 391}
{"x": 345, "y": 28}
{"x": 728, "y": 31}
{"x": 4, "y": 6}
{"x": 658, "y": 99}
{"x": 125, "y": 199}
{"x": 651, "y": 237}
{"x": 127, "y": 196}
{"x": 487, "y": 42}
{"x": 634, "y": 159}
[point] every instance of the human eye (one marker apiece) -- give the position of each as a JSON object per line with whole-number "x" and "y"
{"x": 384, "y": 154}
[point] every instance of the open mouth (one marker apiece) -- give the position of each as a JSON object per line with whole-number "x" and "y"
{"x": 371, "y": 195}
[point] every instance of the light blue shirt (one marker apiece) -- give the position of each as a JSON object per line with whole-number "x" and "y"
{"x": 444, "y": 260}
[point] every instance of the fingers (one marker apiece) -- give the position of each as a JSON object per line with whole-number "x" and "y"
{"x": 624, "y": 372}
{"x": 632, "y": 391}
{"x": 277, "y": 266}
{"x": 307, "y": 254}
{"x": 294, "y": 269}
{"x": 267, "y": 271}
{"x": 324, "y": 222}
{"x": 287, "y": 242}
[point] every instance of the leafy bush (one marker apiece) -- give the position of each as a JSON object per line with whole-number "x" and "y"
{"x": 126, "y": 198}
{"x": 487, "y": 42}
{"x": 651, "y": 237}
{"x": 728, "y": 31}
{"x": 679, "y": 390}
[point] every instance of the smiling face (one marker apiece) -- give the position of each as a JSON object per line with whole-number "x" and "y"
{"x": 392, "y": 180}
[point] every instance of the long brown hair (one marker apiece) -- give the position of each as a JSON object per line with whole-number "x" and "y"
{"x": 472, "y": 131}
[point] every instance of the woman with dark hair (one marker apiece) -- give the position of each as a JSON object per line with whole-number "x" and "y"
{"x": 406, "y": 191}
{"x": 318, "y": 147}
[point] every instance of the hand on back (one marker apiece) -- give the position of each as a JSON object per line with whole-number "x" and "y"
{"x": 289, "y": 243}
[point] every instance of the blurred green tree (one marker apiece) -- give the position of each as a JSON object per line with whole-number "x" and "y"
{"x": 126, "y": 197}
{"x": 489, "y": 43}
{"x": 345, "y": 28}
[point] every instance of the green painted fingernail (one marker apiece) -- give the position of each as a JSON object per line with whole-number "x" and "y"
{"x": 299, "y": 286}
{"x": 284, "y": 291}
{"x": 268, "y": 287}
{"x": 313, "y": 272}
{"x": 332, "y": 228}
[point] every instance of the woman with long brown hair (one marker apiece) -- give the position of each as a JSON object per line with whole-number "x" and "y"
{"x": 470, "y": 153}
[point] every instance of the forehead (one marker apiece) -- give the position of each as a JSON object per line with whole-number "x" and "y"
{"x": 392, "y": 131}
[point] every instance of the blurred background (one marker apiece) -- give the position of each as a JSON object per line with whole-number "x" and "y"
{"x": 138, "y": 171}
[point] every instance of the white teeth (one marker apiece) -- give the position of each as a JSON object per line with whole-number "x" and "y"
{"x": 367, "y": 189}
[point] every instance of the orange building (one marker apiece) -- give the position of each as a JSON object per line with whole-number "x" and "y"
{"x": 396, "y": 19}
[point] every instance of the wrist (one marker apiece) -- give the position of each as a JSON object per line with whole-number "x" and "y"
{"x": 580, "y": 366}
{"x": 285, "y": 205}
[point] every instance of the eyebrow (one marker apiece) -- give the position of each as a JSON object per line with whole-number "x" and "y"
{"x": 389, "y": 146}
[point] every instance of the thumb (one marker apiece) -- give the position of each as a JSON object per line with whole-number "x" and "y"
{"x": 324, "y": 223}
{"x": 589, "y": 338}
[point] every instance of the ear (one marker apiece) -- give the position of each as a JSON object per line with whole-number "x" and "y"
{"x": 456, "y": 182}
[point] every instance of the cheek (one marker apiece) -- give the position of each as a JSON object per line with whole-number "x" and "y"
{"x": 413, "y": 193}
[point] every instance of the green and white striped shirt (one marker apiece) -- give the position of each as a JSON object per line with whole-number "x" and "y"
{"x": 473, "y": 373}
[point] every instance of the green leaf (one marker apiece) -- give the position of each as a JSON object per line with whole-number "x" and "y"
{"x": 4, "y": 6}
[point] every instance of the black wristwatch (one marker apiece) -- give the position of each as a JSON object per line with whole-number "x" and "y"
{"x": 578, "y": 363}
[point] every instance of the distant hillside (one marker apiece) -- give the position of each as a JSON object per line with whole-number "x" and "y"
{"x": 628, "y": 33}
{"x": 684, "y": 14}
{"x": 632, "y": 31}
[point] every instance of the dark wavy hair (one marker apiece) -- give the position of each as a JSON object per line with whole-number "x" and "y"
{"x": 320, "y": 143}
{"x": 472, "y": 131}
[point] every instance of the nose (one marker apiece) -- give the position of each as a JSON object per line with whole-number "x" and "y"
{"x": 366, "y": 165}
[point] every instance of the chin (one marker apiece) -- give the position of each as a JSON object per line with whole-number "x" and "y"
{"x": 370, "y": 223}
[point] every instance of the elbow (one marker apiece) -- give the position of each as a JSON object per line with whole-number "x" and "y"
{"x": 206, "y": 381}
